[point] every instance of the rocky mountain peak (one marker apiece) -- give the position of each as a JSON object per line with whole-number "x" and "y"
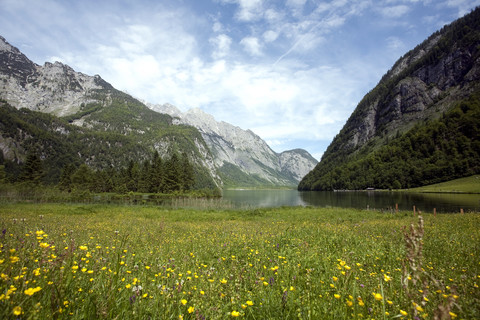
{"x": 233, "y": 146}
{"x": 54, "y": 87}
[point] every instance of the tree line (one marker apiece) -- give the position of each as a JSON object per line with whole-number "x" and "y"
{"x": 175, "y": 173}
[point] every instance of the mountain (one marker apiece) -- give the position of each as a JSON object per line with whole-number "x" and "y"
{"x": 69, "y": 117}
{"x": 242, "y": 157}
{"x": 419, "y": 125}
{"x": 91, "y": 122}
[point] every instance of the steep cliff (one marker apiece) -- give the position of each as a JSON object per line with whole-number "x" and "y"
{"x": 423, "y": 85}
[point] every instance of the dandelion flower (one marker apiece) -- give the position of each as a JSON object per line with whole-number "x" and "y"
{"x": 334, "y": 278}
{"x": 183, "y": 301}
{"x": 223, "y": 281}
{"x": 191, "y": 309}
{"x": 235, "y": 313}
{"x": 403, "y": 313}
{"x": 249, "y": 303}
{"x": 337, "y": 296}
{"x": 84, "y": 248}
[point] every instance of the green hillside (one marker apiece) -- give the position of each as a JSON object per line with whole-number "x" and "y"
{"x": 462, "y": 185}
{"x": 111, "y": 138}
{"x": 419, "y": 125}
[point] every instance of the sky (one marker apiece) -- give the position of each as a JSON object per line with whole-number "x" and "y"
{"x": 292, "y": 71}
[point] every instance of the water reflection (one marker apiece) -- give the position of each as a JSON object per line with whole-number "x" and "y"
{"x": 380, "y": 200}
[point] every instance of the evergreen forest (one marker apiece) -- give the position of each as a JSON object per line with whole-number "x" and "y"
{"x": 433, "y": 151}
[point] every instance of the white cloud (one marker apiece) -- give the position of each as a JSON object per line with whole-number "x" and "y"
{"x": 249, "y": 10}
{"x": 270, "y": 36}
{"x": 394, "y": 11}
{"x": 252, "y": 46}
{"x": 221, "y": 44}
{"x": 394, "y": 43}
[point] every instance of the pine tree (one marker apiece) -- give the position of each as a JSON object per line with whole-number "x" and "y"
{"x": 32, "y": 171}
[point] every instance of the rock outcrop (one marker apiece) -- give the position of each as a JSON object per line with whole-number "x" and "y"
{"x": 231, "y": 145}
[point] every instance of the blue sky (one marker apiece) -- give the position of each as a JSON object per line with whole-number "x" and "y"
{"x": 292, "y": 71}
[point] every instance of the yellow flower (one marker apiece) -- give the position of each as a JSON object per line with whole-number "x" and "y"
{"x": 334, "y": 278}
{"x": 14, "y": 259}
{"x": 453, "y": 315}
{"x": 223, "y": 281}
{"x": 128, "y": 286}
{"x": 337, "y": 296}
{"x": 235, "y": 313}
{"x": 191, "y": 309}
{"x": 17, "y": 310}
{"x": 349, "y": 303}
{"x": 403, "y": 313}
{"x": 183, "y": 301}
{"x": 419, "y": 308}
{"x": 44, "y": 245}
{"x": 377, "y": 296}
{"x": 84, "y": 248}
{"x": 31, "y": 291}
{"x": 389, "y": 302}
{"x": 386, "y": 278}
{"x": 249, "y": 303}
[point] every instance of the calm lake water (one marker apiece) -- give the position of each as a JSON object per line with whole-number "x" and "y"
{"x": 354, "y": 199}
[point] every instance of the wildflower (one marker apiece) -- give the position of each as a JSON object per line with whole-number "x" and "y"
{"x": 419, "y": 308}
{"x": 17, "y": 310}
{"x": 377, "y": 296}
{"x": 389, "y": 302}
{"x": 386, "y": 278}
{"x": 183, "y": 301}
{"x": 235, "y": 313}
{"x": 191, "y": 309}
{"x": 44, "y": 245}
{"x": 14, "y": 259}
{"x": 334, "y": 278}
{"x": 31, "y": 291}
{"x": 453, "y": 315}
{"x": 349, "y": 303}
{"x": 337, "y": 296}
{"x": 403, "y": 313}
{"x": 84, "y": 248}
{"x": 223, "y": 281}
{"x": 249, "y": 303}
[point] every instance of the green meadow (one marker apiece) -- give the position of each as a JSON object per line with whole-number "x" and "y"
{"x": 60, "y": 261}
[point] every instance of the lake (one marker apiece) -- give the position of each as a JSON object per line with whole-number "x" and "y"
{"x": 378, "y": 200}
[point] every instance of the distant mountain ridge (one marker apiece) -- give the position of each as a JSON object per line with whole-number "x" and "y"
{"x": 243, "y": 149}
{"x": 107, "y": 118}
{"x": 380, "y": 145}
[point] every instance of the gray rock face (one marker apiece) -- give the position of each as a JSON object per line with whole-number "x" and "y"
{"x": 424, "y": 92}
{"x": 243, "y": 148}
{"x": 54, "y": 87}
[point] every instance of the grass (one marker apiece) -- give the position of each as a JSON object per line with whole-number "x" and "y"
{"x": 463, "y": 185}
{"x": 132, "y": 262}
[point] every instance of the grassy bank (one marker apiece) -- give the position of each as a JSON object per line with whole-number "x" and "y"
{"x": 97, "y": 261}
{"x": 462, "y": 185}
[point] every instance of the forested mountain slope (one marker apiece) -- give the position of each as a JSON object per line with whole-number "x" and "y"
{"x": 419, "y": 125}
